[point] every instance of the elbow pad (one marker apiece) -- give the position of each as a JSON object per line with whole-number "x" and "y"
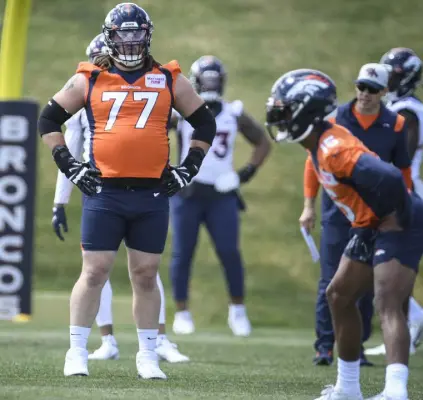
{"x": 204, "y": 124}
{"x": 52, "y": 117}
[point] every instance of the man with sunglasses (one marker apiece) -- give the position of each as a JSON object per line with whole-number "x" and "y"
{"x": 405, "y": 76}
{"x": 383, "y": 132}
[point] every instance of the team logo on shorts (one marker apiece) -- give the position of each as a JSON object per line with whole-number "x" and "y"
{"x": 155, "y": 81}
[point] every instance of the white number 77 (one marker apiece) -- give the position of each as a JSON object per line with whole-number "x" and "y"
{"x": 120, "y": 97}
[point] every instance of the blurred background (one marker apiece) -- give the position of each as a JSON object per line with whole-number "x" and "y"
{"x": 257, "y": 41}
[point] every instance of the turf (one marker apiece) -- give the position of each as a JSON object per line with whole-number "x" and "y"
{"x": 271, "y": 364}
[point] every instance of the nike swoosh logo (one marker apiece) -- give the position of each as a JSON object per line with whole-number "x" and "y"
{"x": 152, "y": 338}
{"x": 155, "y": 194}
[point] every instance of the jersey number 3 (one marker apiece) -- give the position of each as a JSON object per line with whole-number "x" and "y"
{"x": 118, "y": 100}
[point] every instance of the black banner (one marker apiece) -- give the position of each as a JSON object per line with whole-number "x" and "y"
{"x": 18, "y": 145}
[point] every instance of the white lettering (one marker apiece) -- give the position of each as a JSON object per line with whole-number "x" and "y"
{"x": 14, "y": 218}
{"x": 12, "y": 156}
{"x": 8, "y": 255}
{"x": 19, "y": 189}
{"x": 13, "y": 128}
{"x": 14, "y": 280}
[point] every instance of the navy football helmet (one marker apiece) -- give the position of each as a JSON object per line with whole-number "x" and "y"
{"x": 300, "y": 100}
{"x": 405, "y": 72}
{"x": 96, "y": 47}
{"x": 208, "y": 77}
{"x": 127, "y": 30}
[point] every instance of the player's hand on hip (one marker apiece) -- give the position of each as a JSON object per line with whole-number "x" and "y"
{"x": 176, "y": 178}
{"x": 82, "y": 175}
{"x": 86, "y": 178}
{"x": 59, "y": 221}
{"x": 308, "y": 218}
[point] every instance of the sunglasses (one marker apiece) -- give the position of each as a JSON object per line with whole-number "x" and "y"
{"x": 362, "y": 87}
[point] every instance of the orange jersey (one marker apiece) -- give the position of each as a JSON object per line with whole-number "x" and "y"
{"x": 129, "y": 115}
{"x": 334, "y": 161}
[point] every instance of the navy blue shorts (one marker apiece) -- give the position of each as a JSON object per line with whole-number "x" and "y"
{"x": 406, "y": 246}
{"x": 375, "y": 247}
{"x": 138, "y": 216}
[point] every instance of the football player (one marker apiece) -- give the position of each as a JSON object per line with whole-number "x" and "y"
{"x": 128, "y": 97}
{"x": 77, "y": 137}
{"x": 386, "y": 242}
{"x": 212, "y": 198}
{"x": 383, "y": 132}
{"x": 405, "y": 77}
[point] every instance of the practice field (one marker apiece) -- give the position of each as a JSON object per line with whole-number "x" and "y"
{"x": 271, "y": 364}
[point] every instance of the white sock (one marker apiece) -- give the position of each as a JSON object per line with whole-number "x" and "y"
{"x": 147, "y": 339}
{"x": 104, "y": 315}
{"x": 109, "y": 339}
{"x": 415, "y": 311}
{"x": 348, "y": 381}
{"x": 396, "y": 381}
{"x": 237, "y": 310}
{"x": 79, "y": 336}
{"x": 162, "y": 315}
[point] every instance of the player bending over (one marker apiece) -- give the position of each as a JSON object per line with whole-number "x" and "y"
{"x": 387, "y": 228}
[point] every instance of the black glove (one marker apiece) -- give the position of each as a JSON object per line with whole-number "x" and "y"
{"x": 86, "y": 178}
{"x": 246, "y": 173}
{"x": 176, "y": 178}
{"x": 59, "y": 220}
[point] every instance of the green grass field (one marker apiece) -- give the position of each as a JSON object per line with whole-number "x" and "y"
{"x": 271, "y": 364}
{"x": 258, "y": 41}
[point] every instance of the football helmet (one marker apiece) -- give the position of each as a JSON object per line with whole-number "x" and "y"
{"x": 127, "y": 30}
{"x": 405, "y": 72}
{"x": 208, "y": 77}
{"x": 299, "y": 100}
{"x": 96, "y": 47}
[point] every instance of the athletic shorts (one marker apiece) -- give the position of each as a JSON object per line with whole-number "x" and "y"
{"x": 139, "y": 216}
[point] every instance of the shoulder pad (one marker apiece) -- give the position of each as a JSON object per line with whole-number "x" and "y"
{"x": 87, "y": 67}
{"x": 237, "y": 108}
{"x": 173, "y": 67}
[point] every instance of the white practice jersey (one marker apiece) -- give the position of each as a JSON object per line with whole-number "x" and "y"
{"x": 219, "y": 159}
{"x": 414, "y": 105}
{"x": 77, "y": 138}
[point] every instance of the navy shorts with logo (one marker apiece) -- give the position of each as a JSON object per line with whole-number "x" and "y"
{"x": 375, "y": 247}
{"x": 139, "y": 216}
{"x": 406, "y": 246}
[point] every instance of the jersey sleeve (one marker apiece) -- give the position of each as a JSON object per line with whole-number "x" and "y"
{"x": 400, "y": 158}
{"x": 75, "y": 141}
{"x": 311, "y": 183}
{"x": 237, "y": 108}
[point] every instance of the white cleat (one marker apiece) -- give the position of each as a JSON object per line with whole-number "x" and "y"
{"x": 183, "y": 323}
{"x": 416, "y": 334}
{"x": 76, "y": 362}
{"x": 376, "y": 351}
{"x": 329, "y": 393}
{"x": 382, "y": 396}
{"x": 148, "y": 365}
{"x": 169, "y": 352}
{"x": 239, "y": 322}
{"x": 106, "y": 351}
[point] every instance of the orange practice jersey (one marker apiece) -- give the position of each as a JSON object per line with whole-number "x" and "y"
{"x": 129, "y": 116}
{"x": 334, "y": 161}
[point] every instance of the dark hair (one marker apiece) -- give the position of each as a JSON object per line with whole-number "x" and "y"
{"x": 105, "y": 61}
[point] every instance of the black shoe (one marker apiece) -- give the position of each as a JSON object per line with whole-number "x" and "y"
{"x": 364, "y": 362}
{"x": 323, "y": 357}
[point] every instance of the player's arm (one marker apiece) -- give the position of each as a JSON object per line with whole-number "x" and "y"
{"x": 412, "y": 128}
{"x": 311, "y": 189}
{"x": 401, "y": 157}
{"x": 192, "y": 107}
{"x": 75, "y": 141}
{"x": 255, "y": 134}
{"x": 67, "y": 101}
{"x": 382, "y": 179}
